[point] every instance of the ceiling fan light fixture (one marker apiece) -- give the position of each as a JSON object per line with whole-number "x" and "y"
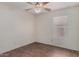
{"x": 37, "y": 10}
{"x": 39, "y": 7}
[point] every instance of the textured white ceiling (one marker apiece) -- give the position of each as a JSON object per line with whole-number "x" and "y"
{"x": 52, "y": 5}
{"x": 60, "y": 5}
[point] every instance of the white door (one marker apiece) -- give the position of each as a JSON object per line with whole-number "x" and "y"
{"x": 59, "y": 25}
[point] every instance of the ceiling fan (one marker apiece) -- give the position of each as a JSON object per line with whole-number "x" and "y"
{"x": 38, "y": 7}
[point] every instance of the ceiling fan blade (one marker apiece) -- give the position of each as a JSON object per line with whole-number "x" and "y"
{"x": 28, "y": 9}
{"x": 29, "y": 3}
{"x": 37, "y": 3}
{"x": 45, "y": 3}
{"x": 47, "y": 9}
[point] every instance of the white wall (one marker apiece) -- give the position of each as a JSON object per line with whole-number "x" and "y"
{"x": 16, "y": 28}
{"x": 45, "y": 28}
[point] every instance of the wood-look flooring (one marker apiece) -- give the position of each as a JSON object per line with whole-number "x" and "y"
{"x": 40, "y": 50}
